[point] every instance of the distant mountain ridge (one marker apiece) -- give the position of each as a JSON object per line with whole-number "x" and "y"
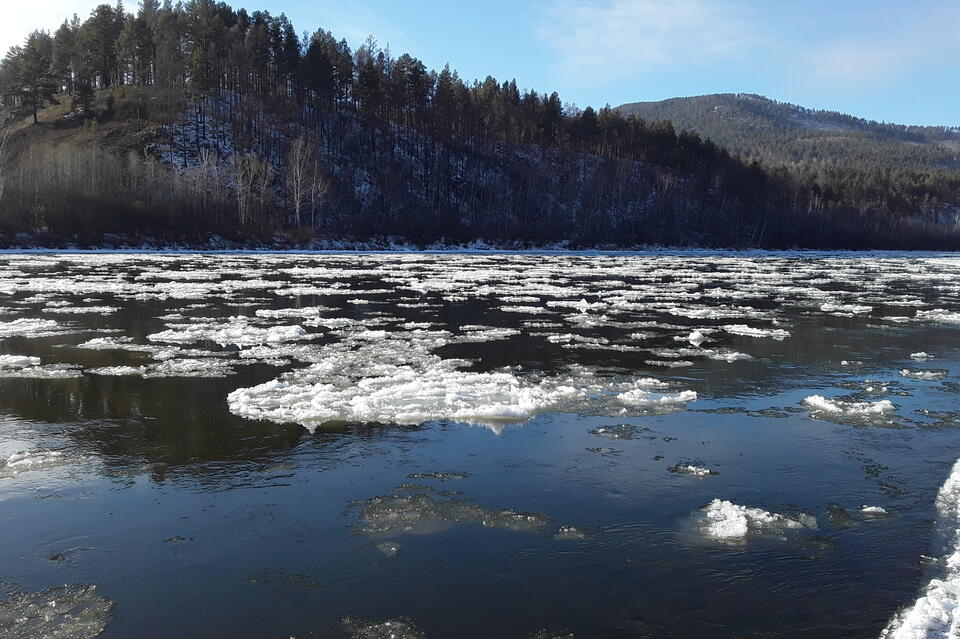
{"x": 756, "y": 127}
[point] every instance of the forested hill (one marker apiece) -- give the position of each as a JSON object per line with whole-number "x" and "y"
{"x": 186, "y": 122}
{"x": 756, "y": 127}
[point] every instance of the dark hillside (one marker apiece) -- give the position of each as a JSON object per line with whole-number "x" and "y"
{"x": 779, "y": 133}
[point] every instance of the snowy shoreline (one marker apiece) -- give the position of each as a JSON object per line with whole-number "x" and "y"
{"x": 395, "y": 245}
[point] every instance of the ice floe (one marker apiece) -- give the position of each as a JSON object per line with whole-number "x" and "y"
{"x": 750, "y": 331}
{"x": 17, "y": 362}
{"x": 725, "y": 521}
{"x": 923, "y": 374}
{"x": 412, "y": 508}
{"x": 402, "y": 394}
{"x": 822, "y": 406}
{"x": 399, "y": 628}
{"x": 936, "y": 613}
{"x": 692, "y": 469}
{"x": 643, "y": 397}
{"x": 939, "y": 315}
{"x": 63, "y": 612}
{"x": 237, "y": 331}
{"x": 30, "y": 327}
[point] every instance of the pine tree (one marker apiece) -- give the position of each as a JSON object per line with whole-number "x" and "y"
{"x": 35, "y": 83}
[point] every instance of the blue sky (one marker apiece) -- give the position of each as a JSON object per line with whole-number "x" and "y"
{"x": 888, "y": 60}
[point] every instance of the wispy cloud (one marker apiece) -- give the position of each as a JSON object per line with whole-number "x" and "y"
{"x": 600, "y": 41}
{"x": 884, "y": 53}
{"x": 859, "y": 45}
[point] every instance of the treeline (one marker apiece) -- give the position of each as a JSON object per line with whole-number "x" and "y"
{"x": 261, "y": 130}
{"x": 756, "y": 127}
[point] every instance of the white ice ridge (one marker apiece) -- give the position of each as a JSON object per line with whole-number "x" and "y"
{"x": 28, "y": 327}
{"x": 749, "y": 331}
{"x": 821, "y": 404}
{"x": 29, "y": 367}
{"x": 923, "y": 374}
{"x": 726, "y": 521}
{"x": 643, "y": 397}
{"x": 237, "y": 331}
{"x": 936, "y": 613}
{"x": 18, "y": 361}
{"x": 940, "y": 315}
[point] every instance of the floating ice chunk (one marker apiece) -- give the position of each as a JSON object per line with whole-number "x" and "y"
{"x": 939, "y": 315}
{"x": 666, "y": 363}
{"x": 412, "y": 508}
{"x": 64, "y": 612}
{"x": 691, "y": 469}
{"x": 650, "y": 382}
{"x": 520, "y": 299}
{"x": 403, "y": 396}
{"x": 331, "y": 322}
{"x": 245, "y": 335}
{"x": 285, "y": 313}
{"x": 445, "y": 476}
{"x": 619, "y": 431}
{"x": 485, "y": 333}
{"x": 921, "y": 356}
{"x": 18, "y": 361}
{"x": 577, "y": 339}
{"x": 117, "y": 371}
{"x": 79, "y": 310}
{"x": 569, "y": 533}
{"x": 547, "y": 633}
{"x": 49, "y": 371}
{"x": 238, "y": 332}
{"x": 726, "y": 521}
{"x": 120, "y": 343}
{"x": 400, "y": 628}
{"x": 821, "y": 404}
{"x": 727, "y": 356}
{"x": 923, "y": 374}
{"x": 29, "y": 327}
{"x": 389, "y": 548}
{"x": 873, "y": 511}
{"x": 853, "y": 309}
{"x": 696, "y": 338}
{"x": 641, "y": 397}
{"x": 529, "y": 310}
{"x": 189, "y": 367}
{"x": 749, "y": 331}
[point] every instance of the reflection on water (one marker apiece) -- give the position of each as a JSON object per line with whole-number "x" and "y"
{"x": 475, "y": 445}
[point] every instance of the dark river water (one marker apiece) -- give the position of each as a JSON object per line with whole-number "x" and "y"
{"x": 479, "y": 445}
